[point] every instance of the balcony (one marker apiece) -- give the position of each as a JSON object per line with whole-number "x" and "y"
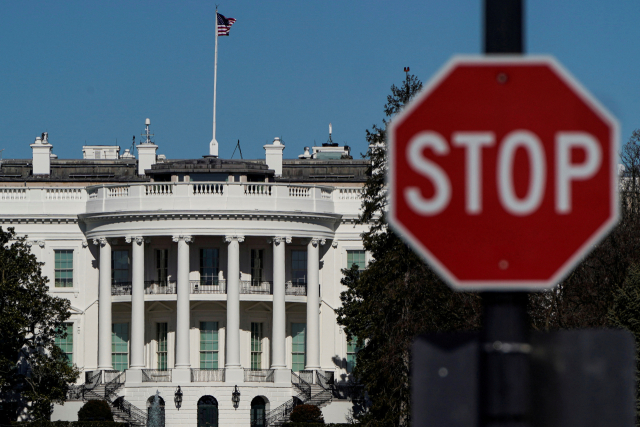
{"x": 296, "y": 288}
{"x": 120, "y": 288}
{"x": 159, "y": 287}
{"x": 255, "y": 287}
{"x": 208, "y": 286}
{"x": 258, "y": 375}
{"x": 207, "y": 375}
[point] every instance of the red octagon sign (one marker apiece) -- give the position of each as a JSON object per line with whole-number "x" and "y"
{"x": 502, "y": 173}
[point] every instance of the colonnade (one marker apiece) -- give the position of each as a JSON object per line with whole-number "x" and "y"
{"x": 183, "y": 312}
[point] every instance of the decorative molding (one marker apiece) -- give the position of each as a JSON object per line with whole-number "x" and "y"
{"x": 315, "y": 241}
{"x": 334, "y": 243}
{"x": 137, "y": 239}
{"x": 102, "y": 241}
{"x": 229, "y": 239}
{"x": 85, "y": 243}
{"x": 280, "y": 239}
{"x": 128, "y": 239}
{"x": 186, "y": 239}
{"x": 141, "y": 240}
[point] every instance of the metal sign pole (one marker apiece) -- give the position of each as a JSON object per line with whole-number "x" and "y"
{"x": 504, "y": 341}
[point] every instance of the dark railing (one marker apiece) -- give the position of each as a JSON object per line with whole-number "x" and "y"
{"x": 111, "y": 374}
{"x": 92, "y": 379}
{"x": 207, "y": 375}
{"x": 133, "y": 412}
{"x": 296, "y": 288}
{"x": 258, "y": 375}
{"x": 156, "y": 376}
{"x": 325, "y": 379}
{"x": 120, "y": 288}
{"x": 282, "y": 412}
{"x": 208, "y": 286}
{"x": 256, "y": 287}
{"x": 159, "y": 287}
{"x": 302, "y": 385}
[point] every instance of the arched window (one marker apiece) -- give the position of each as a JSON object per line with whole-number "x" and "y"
{"x": 207, "y": 412}
{"x": 155, "y": 412}
{"x": 258, "y": 412}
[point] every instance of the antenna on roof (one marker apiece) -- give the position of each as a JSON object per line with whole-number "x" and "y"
{"x": 133, "y": 145}
{"x": 147, "y": 135}
{"x": 237, "y": 148}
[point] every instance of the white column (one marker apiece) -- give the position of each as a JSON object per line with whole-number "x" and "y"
{"x": 278, "y": 333}
{"x": 233, "y": 366}
{"x": 104, "y": 305}
{"x": 313, "y": 303}
{"x": 137, "y": 302}
{"x": 183, "y": 307}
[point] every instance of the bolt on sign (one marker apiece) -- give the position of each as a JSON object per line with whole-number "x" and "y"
{"x": 503, "y": 172}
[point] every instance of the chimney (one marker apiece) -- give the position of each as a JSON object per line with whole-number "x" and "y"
{"x": 273, "y": 156}
{"x": 146, "y": 151}
{"x": 42, "y": 155}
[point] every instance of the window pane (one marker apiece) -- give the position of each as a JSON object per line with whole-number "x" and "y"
{"x": 208, "y": 345}
{"x": 63, "y": 268}
{"x": 256, "y": 266}
{"x": 209, "y": 266}
{"x": 120, "y": 346}
{"x": 357, "y": 258}
{"x": 120, "y": 266}
{"x": 256, "y": 345}
{"x": 299, "y": 266}
{"x": 352, "y": 351}
{"x": 162, "y": 345}
{"x": 66, "y": 343}
{"x": 298, "y": 346}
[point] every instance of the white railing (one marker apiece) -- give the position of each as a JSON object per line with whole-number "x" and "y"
{"x": 120, "y": 191}
{"x": 257, "y": 189}
{"x": 64, "y": 193}
{"x": 349, "y": 193}
{"x": 158, "y": 189}
{"x": 13, "y": 193}
{"x": 325, "y": 193}
{"x": 207, "y": 189}
{"x": 299, "y": 191}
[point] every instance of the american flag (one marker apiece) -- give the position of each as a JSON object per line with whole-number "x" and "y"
{"x": 224, "y": 25}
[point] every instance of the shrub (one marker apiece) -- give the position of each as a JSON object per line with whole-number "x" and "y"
{"x": 95, "y": 410}
{"x": 306, "y": 414}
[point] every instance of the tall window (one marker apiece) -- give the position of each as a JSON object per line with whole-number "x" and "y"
{"x": 352, "y": 351}
{"x": 162, "y": 345}
{"x": 256, "y": 345}
{"x": 208, "y": 345}
{"x": 257, "y": 265}
{"x": 299, "y": 266}
{"x": 357, "y": 258}
{"x": 120, "y": 346}
{"x": 64, "y": 340}
{"x": 120, "y": 266}
{"x": 298, "y": 346}
{"x": 63, "y": 268}
{"x": 209, "y": 266}
{"x": 162, "y": 265}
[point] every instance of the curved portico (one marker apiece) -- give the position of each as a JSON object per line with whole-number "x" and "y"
{"x": 120, "y": 222}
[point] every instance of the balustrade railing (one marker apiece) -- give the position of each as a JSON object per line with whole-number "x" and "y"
{"x": 257, "y": 189}
{"x": 13, "y": 194}
{"x": 156, "y": 376}
{"x": 295, "y": 288}
{"x": 258, "y": 375}
{"x": 92, "y": 379}
{"x": 350, "y": 193}
{"x": 306, "y": 375}
{"x": 302, "y": 385}
{"x": 120, "y": 191}
{"x": 112, "y": 374}
{"x": 207, "y": 375}
{"x": 120, "y": 288}
{"x": 256, "y": 287}
{"x": 208, "y": 286}
{"x": 207, "y": 189}
{"x": 64, "y": 193}
{"x": 159, "y": 287}
{"x": 295, "y": 191}
{"x": 158, "y": 189}
{"x": 325, "y": 379}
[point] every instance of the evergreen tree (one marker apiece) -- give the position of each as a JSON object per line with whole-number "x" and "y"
{"x": 34, "y": 372}
{"x": 397, "y": 296}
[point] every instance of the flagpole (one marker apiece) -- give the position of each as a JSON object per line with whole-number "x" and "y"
{"x": 213, "y": 145}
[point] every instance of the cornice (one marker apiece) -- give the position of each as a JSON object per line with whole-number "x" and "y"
{"x": 39, "y": 219}
{"x": 208, "y": 215}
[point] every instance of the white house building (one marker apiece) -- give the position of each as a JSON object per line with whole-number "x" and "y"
{"x": 216, "y": 277}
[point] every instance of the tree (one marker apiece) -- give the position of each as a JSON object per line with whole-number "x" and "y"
{"x": 397, "y": 296}
{"x": 34, "y": 372}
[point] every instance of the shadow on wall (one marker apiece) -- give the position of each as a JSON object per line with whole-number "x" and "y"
{"x": 347, "y": 387}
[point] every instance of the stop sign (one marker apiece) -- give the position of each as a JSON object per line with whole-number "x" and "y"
{"x": 502, "y": 172}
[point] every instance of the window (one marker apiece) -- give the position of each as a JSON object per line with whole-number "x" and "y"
{"x": 162, "y": 345}
{"x": 357, "y": 258}
{"x": 208, "y": 345}
{"x": 162, "y": 265}
{"x": 64, "y": 340}
{"x": 120, "y": 266}
{"x": 63, "y": 268}
{"x": 120, "y": 346}
{"x": 257, "y": 256}
{"x": 209, "y": 266}
{"x": 352, "y": 350}
{"x": 298, "y": 346}
{"x": 299, "y": 267}
{"x": 256, "y": 345}
{"x": 258, "y": 406}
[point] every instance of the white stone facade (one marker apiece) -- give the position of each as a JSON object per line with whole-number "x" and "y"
{"x": 240, "y": 222}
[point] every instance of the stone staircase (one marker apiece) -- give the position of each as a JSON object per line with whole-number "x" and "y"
{"x": 310, "y": 394}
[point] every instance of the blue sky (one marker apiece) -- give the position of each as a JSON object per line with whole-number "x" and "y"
{"x": 93, "y": 71}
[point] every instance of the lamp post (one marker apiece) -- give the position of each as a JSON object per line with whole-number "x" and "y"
{"x": 235, "y": 397}
{"x": 178, "y": 398}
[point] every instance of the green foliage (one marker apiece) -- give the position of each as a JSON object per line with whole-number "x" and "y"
{"x": 625, "y": 313}
{"x": 397, "y": 297}
{"x": 95, "y": 410}
{"x": 306, "y": 414}
{"x": 32, "y": 368}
